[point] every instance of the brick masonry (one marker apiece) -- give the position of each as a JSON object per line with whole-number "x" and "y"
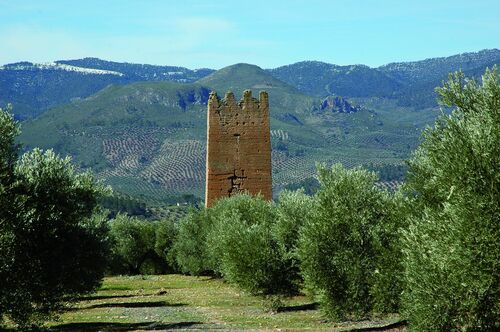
{"x": 238, "y": 147}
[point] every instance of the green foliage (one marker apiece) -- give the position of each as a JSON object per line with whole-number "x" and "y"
{"x": 294, "y": 209}
{"x": 309, "y": 185}
{"x": 245, "y": 249}
{"x": 141, "y": 246}
{"x": 8, "y": 149}
{"x": 52, "y": 245}
{"x": 347, "y": 249}
{"x": 133, "y": 243}
{"x": 165, "y": 237}
{"x": 124, "y": 204}
{"x": 247, "y": 240}
{"x": 451, "y": 249}
{"x": 388, "y": 277}
{"x": 190, "y": 247}
{"x": 388, "y": 172}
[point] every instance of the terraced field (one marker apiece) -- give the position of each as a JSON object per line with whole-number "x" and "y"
{"x": 179, "y": 166}
{"x": 280, "y": 134}
{"x": 156, "y": 164}
{"x": 144, "y": 164}
{"x": 126, "y": 154}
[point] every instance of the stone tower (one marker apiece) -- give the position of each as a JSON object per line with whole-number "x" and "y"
{"x": 238, "y": 147}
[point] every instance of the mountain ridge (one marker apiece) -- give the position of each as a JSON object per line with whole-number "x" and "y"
{"x": 35, "y": 88}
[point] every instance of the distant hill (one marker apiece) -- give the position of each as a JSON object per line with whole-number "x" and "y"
{"x": 142, "y": 72}
{"x": 322, "y": 79}
{"x": 433, "y": 69}
{"x": 34, "y": 88}
{"x": 239, "y": 77}
{"x": 244, "y": 76}
{"x": 421, "y": 94}
{"x": 140, "y": 137}
{"x": 408, "y": 83}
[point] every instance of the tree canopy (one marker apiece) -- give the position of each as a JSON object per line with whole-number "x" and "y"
{"x": 52, "y": 244}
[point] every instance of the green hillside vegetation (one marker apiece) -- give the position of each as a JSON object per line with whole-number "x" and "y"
{"x": 147, "y": 139}
{"x": 35, "y": 88}
{"x": 409, "y": 84}
{"x": 123, "y": 130}
{"x": 322, "y": 79}
{"x": 421, "y": 92}
{"x": 34, "y": 91}
{"x": 435, "y": 69}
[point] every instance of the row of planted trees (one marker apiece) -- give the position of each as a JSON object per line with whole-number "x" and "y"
{"x": 429, "y": 251}
{"x": 342, "y": 243}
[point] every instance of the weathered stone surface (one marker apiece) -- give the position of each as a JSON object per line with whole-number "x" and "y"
{"x": 238, "y": 147}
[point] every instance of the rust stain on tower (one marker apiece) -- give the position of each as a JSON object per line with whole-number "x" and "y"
{"x": 238, "y": 147}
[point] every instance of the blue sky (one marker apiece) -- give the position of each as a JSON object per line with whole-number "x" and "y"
{"x": 218, "y": 33}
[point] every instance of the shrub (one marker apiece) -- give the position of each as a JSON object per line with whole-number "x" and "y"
{"x": 451, "y": 249}
{"x": 165, "y": 236}
{"x": 245, "y": 248}
{"x": 53, "y": 247}
{"x": 388, "y": 278}
{"x": 347, "y": 247}
{"x": 141, "y": 246}
{"x": 190, "y": 246}
{"x": 294, "y": 209}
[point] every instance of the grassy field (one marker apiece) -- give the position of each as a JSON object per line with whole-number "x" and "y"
{"x": 167, "y": 302}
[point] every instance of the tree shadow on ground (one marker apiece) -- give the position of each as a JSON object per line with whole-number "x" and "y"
{"x": 148, "y": 304}
{"x": 397, "y": 326}
{"x": 302, "y": 307}
{"x": 104, "y": 297}
{"x": 112, "y": 326}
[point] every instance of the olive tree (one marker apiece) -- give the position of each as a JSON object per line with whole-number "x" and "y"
{"x": 348, "y": 248}
{"x": 53, "y": 246}
{"x": 451, "y": 248}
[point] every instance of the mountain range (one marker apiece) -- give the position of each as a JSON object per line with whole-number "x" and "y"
{"x": 35, "y": 88}
{"x": 142, "y": 128}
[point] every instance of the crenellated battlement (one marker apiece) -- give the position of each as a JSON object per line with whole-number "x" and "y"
{"x": 238, "y": 146}
{"x": 247, "y": 102}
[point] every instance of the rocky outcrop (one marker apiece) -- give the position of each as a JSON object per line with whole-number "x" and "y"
{"x": 337, "y": 104}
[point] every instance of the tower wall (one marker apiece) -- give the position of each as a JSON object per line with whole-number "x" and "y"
{"x": 238, "y": 147}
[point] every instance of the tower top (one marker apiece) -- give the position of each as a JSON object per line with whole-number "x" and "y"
{"x": 247, "y": 102}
